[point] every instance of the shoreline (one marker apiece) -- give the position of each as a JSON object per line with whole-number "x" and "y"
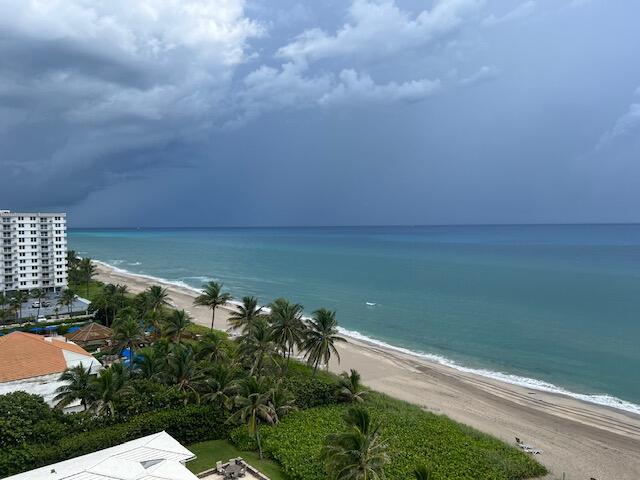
{"x": 603, "y": 400}
{"x": 581, "y": 438}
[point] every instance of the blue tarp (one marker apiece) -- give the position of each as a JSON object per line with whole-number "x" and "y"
{"x": 73, "y": 329}
{"x": 36, "y": 329}
{"x": 51, "y": 327}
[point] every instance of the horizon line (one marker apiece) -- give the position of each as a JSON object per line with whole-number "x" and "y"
{"x": 435, "y": 225}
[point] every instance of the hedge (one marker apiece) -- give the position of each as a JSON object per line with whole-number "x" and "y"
{"x": 414, "y": 436}
{"x": 187, "y": 425}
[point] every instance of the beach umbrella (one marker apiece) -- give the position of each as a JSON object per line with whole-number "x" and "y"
{"x": 35, "y": 330}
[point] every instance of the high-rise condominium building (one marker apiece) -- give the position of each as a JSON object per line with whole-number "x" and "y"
{"x": 34, "y": 251}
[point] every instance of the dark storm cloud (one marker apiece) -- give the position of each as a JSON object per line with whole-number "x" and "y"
{"x": 369, "y": 111}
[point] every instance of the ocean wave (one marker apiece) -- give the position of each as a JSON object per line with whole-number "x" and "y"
{"x": 133, "y": 264}
{"x": 532, "y": 383}
{"x": 175, "y": 283}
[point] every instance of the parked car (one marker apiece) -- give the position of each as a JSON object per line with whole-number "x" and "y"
{"x": 41, "y": 318}
{"x": 45, "y": 304}
{"x": 35, "y": 305}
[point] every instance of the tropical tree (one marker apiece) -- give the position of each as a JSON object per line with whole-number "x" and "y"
{"x": 127, "y": 333}
{"x": 212, "y": 297}
{"x": 351, "y": 390}
{"x": 107, "y": 387}
{"x": 37, "y": 294}
{"x": 222, "y": 384}
{"x": 321, "y": 339}
{"x": 78, "y": 385}
{"x": 67, "y": 297}
{"x": 359, "y": 453}
{"x": 246, "y": 314}
{"x": 257, "y": 346}
{"x": 156, "y": 297}
{"x": 176, "y": 324}
{"x": 287, "y": 326}
{"x": 86, "y": 271}
{"x": 254, "y": 407}
{"x": 183, "y": 371}
{"x": 211, "y": 348}
{"x": 149, "y": 364}
{"x": 17, "y": 300}
{"x": 282, "y": 401}
{"x": 422, "y": 472}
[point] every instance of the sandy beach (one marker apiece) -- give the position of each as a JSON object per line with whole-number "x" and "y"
{"x": 583, "y": 440}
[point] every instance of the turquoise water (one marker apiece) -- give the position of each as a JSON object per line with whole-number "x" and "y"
{"x": 552, "y": 307}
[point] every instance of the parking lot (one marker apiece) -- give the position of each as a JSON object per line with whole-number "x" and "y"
{"x": 52, "y": 300}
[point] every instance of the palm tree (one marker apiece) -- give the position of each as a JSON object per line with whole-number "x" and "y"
{"x": 246, "y": 315}
{"x": 258, "y": 347}
{"x": 222, "y": 384}
{"x": 254, "y": 407}
{"x": 37, "y": 294}
{"x": 157, "y": 297}
{"x": 351, "y": 390}
{"x": 78, "y": 386}
{"x": 212, "y": 297}
{"x": 183, "y": 371}
{"x": 67, "y": 297}
{"x": 107, "y": 387}
{"x": 422, "y": 472}
{"x": 287, "y": 326}
{"x": 282, "y": 401}
{"x": 211, "y": 348}
{"x": 176, "y": 324}
{"x": 148, "y": 364}
{"x": 87, "y": 271}
{"x": 358, "y": 453}
{"x": 127, "y": 333}
{"x": 17, "y": 300}
{"x": 321, "y": 338}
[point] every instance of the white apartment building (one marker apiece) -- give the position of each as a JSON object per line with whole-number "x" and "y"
{"x": 33, "y": 249}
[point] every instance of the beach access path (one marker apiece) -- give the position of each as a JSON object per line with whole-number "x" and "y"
{"x": 583, "y": 440}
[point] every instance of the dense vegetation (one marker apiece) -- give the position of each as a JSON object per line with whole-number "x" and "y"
{"x": 413, "y": 436}
{"x": 199, "y": 385}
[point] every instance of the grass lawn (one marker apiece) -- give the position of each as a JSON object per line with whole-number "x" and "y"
{"x": 210, "y": 452}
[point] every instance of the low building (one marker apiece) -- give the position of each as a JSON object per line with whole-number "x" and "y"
{"x": 154, "y": 457}
{"x": 91, "y": 335}
{"x": 33, "y": 364}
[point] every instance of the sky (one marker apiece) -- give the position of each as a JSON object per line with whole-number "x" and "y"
{"x": 332, "y": 112}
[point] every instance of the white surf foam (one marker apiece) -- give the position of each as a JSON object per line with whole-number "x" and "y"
{"x": 532, "y": 383}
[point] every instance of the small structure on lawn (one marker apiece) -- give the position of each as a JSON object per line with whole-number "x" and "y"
{"x": 233, "y": 469}
{"x": 154, "y": 457}
{"x": 91, "y": 335}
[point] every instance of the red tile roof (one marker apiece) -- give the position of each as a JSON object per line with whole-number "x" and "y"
{"x": 26, "y": 355}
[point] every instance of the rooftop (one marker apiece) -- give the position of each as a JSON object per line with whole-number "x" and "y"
{"x": 90, "y": 332}
{"x": 154, "y": 457}
{"x": 26, "y": 355}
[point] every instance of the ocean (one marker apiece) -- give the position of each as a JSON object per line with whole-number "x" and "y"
{"x": 555, "y": 308}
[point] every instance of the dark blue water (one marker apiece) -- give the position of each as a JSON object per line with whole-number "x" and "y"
{"x": 556, "y": 307}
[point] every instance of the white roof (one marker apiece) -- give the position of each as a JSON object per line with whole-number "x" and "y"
{"x": 154, "y": 457}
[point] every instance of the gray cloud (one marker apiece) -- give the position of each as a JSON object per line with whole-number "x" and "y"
{"x": 325, "y": 110}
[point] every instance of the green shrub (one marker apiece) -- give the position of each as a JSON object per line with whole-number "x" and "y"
{"x": 414, "y": 437}
{"x": 307, "y": 390}
{"x": 26, "y": 418}
{"x": 187, "y": 424}
{"x": 146, "y": 396}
